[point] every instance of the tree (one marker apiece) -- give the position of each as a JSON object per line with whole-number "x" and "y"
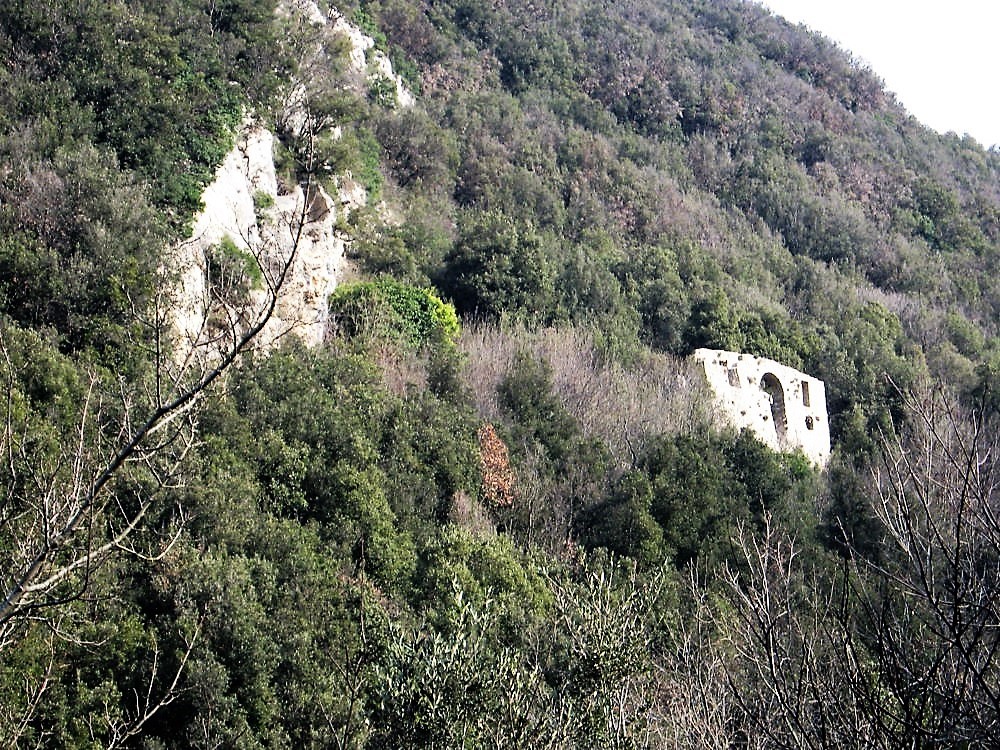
{"x": 898, "y": 651}
{"x": 459, "y": 687}
{"x": 499, "y": 265}
{"x": 936, "y": 494}
{"x": 712, "y": 324}
{"x": 93, "y": 464}
{"x": 87, "y": 455}
{"x": 605, "y": 628}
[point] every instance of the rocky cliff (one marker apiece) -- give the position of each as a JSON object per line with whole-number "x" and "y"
{"x": 270, "y": 225}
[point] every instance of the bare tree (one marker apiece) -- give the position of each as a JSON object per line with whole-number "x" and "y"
{"x": 68, "y": 508}
{"x": 928, "y": 612}
{"x": 118, "y": 729}
{"x": 693, "y": 706}
{"x": 98, "y": 481}
{"x": 895, "y": 652}
{"x": 73, "y": 499}
{"x": 794, "y": 668}
{"x": 623, "y": 407}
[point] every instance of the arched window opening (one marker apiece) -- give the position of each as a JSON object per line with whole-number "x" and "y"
{"x": 772, "y": 386}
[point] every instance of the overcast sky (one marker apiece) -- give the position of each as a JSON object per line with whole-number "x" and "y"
{"x": 940, "y": 57}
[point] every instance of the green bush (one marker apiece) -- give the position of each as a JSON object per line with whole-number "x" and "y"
{"x": 382, "y": 92}
{"x": 232, "y": 271}
{"x": 389, "y": 309}
{"x": 499, "y": 265}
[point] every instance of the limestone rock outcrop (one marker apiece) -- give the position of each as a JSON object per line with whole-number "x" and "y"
{"x": 245, "y": 209}
{"x": 243, "y": 206}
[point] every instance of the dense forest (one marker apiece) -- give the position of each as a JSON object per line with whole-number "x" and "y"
{"x": 493, "y": 509}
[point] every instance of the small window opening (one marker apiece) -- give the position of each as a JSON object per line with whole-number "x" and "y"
{"x": 805, "y": 394}
{"x": 809, "y": 423}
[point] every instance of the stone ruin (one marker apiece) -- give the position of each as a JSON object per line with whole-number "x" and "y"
{"x": 784, "y": 408}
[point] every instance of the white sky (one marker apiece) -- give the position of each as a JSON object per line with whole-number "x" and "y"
{"x": 940, "y": 57}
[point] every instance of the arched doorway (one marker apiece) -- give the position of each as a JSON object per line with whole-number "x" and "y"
{"x": 772, "y": 386}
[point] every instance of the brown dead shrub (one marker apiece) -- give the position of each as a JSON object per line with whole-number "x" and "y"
{"x": 499, "y": 480}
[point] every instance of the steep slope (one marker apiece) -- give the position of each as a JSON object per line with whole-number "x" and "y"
{"x": 694, "y": 174}
{"x": 517, "y": 527}
{"x": 245, "y": 212}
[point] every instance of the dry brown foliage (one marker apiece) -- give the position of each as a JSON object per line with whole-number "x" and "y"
{"x": 623, "y": 407}
{"x": 499, "y": 480}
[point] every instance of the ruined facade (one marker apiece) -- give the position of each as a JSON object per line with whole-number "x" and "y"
{"x": 783, "y": 407}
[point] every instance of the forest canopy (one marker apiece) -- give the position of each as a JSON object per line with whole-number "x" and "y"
{"x": 492, "y": 509}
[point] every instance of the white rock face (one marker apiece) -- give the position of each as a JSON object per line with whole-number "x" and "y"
{"x": 370, "y": 61}
{"x": 286, "y": 229}
{"x": 783, "y": 407}
{"x": 363, "y": 58}
{"x": 307, "y": 8}
{"x": 243, "y": 205}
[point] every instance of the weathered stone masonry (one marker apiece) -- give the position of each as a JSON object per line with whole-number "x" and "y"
{"x": 785, "y": 408}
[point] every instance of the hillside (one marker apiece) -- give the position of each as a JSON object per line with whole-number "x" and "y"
{"x": 347, "y": 410}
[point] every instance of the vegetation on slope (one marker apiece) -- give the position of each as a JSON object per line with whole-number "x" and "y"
{"x": 491, "y": 510}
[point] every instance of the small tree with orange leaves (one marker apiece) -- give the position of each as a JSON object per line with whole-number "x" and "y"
{"x": 498, "y": 475}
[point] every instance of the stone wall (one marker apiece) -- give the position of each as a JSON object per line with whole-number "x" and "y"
{"x": 785, "y": 408}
